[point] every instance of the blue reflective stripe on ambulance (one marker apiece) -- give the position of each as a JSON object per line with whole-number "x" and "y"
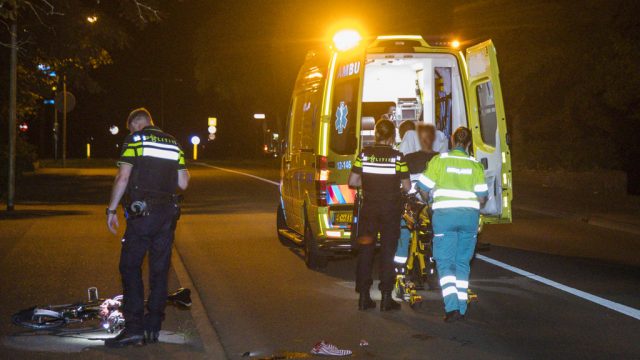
{"x": 338, "y": 193}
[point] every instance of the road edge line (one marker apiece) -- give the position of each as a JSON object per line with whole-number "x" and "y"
{"x": 623, "y": 309}
{"x": 238, "y": 172}
{"x": 208, "y": 335}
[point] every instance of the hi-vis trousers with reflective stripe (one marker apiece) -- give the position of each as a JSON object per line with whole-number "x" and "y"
{"x": 402, "y": 253}
{"x": 455, "y": 235}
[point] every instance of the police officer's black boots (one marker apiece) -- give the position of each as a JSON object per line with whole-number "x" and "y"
{"x": 151, "y": 336}
{"x": 125, "y": 339}
{"x": 387, "y": 303}
{"x": 365, "y": 302}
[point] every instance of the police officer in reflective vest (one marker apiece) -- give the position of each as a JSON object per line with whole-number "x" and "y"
{"x": 459, "y": 191}
{"x": 382, "y": 173}
{"x": 151, "y": 169}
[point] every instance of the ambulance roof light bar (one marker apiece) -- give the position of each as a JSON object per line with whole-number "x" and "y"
{"x": 455, "y": 44}
{"x": 346, "y": 39}
{"x": 399, "y": 37}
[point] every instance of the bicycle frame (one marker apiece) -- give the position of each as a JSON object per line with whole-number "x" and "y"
{"x": 106, "y": 310}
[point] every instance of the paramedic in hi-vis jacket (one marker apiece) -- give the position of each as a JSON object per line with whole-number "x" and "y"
{"x": 459, "y": 190}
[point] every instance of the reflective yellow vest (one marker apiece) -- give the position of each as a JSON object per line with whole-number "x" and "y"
{"x": 458, "y": 180}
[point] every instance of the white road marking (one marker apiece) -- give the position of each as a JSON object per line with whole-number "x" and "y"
{"x": 623, "y": 309}
{"x": 239, "y": 173}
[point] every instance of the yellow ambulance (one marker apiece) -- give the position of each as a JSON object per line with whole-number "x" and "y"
{"x": 341, "y": 92}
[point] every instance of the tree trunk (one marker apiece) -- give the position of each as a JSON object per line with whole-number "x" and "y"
{"x": 11, "y": 180}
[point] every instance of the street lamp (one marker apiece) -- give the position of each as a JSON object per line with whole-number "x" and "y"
{"x": 114, "y": 130}
{"x": 261, "y": 116}
{"x": 195, "y": 141}
{"x": 92, "y": 19}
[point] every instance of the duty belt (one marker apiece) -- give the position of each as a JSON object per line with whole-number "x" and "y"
{"x": 163, "y": 199}
{"x": 154, "y": 198}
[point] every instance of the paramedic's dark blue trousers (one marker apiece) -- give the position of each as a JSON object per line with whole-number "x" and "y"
{"x": 153, "y": 234}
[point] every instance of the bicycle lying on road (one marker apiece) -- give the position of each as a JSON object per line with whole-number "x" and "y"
{"x": 105, "y": 310}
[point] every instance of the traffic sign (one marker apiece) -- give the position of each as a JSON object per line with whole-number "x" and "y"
{"x": 59, "y": 101}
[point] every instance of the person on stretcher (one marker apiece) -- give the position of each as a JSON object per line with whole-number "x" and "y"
{"x": 417, "y": 160}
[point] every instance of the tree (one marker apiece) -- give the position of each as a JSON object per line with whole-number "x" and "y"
{"x": 60, "y": 37}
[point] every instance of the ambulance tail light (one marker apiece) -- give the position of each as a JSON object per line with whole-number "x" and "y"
{"x": 322, "y": 176}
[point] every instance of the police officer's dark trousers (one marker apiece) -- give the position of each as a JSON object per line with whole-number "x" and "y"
{"x": 153, "y": 233}
{"x": 384, "y": 218}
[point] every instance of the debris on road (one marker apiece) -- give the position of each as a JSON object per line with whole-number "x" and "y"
{"x": 325, "y": 348}
{"x": 283, "y": 355}
{"x": 364, "y": 343}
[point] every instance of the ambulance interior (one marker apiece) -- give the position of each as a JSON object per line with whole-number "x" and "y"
{"x": 421, "y": 88}
{"x": 418, "y": 87}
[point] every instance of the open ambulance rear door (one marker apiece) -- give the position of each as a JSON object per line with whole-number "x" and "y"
{"x": 488, "y": 124}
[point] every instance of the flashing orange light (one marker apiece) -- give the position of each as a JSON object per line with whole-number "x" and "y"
{"x": 346, "y": 39}
{"x": 455, "y": 44}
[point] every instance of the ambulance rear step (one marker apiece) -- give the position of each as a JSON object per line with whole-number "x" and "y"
{"x": 291, "y": 235}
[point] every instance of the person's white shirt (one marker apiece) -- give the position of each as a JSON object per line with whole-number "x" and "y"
{"x": 410, "y": 143}
{"x": 441, "y": 143}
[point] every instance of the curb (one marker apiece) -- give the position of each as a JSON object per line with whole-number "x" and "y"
{"x": 614, "y": 225}
{"x": 210, "y": 339}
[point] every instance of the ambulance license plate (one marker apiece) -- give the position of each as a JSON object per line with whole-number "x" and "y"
{"x": 342, "y": 218}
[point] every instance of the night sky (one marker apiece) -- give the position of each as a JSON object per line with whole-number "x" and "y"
{"x": 232, "y": 59}
{"x": 569, "y": 73}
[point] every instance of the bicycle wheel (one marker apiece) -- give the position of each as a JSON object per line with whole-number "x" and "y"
{"x": 38, "y": 319}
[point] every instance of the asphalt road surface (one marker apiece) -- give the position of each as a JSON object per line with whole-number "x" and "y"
{"x": 262, "y": 300}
